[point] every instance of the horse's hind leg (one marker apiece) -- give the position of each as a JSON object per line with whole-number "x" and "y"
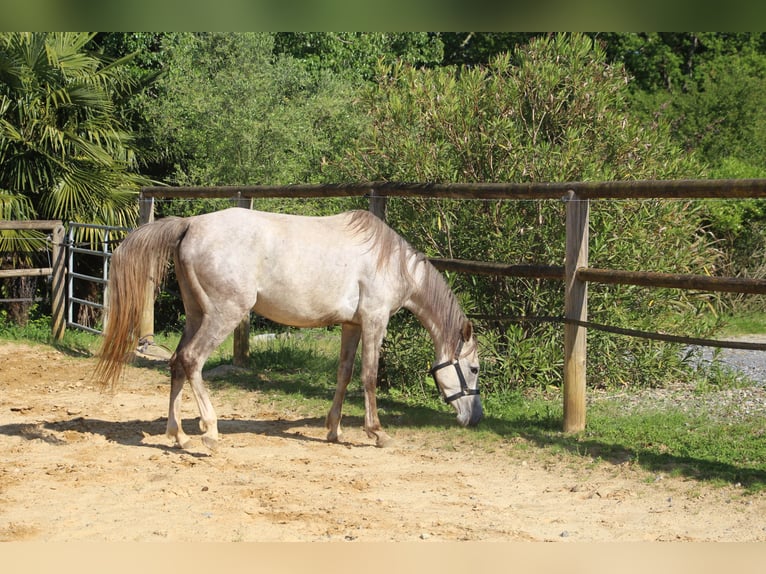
{"x": 177, "y": 379}
{"x": 213, "y": 309}
{"x": 211, "y": 333}
{"x": 188, "y": 364}
{"x": 349, "y": 343}
{"x": 208, "y": 421}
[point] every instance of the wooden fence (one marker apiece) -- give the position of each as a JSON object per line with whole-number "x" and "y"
{"x": 575, "y": 273}
{"x": 57, "y": 269}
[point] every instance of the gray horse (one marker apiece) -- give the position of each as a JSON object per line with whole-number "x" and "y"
{"x": 349, "y": 269}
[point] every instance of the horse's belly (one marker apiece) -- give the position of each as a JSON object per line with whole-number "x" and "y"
{"x": 306, "y": 310}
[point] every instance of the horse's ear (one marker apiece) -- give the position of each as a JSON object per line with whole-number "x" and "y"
{"x": 467, "y": 331}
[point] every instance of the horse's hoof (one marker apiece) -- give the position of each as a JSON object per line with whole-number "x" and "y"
{"x": 333, "y": 436}
{"x": 181, "y": 440}
{"x": 384, "y": 441}
{"x": 210, "y": 442}
{"x": 184, "y": 444}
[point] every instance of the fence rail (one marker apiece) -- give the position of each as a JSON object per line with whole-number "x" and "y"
{"x": 575, "y": 273}
{"x": 57, "y": 270}
{"x": 641, "y": 189}
{"x": 32, "y": 272}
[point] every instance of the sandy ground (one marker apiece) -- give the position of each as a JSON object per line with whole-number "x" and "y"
{"x": 77, "y": 464}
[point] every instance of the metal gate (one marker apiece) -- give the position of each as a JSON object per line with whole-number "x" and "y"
{"x": 105, "y": 238}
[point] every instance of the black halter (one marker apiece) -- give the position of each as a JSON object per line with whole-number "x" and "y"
{"x": 464, "y": 390}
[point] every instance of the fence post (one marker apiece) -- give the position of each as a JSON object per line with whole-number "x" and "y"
{"x": 575, "y": 307}
{"x": 378, "y": 204}
{"x": 146, "y": 330}
{"x": 378, "y": 207}
{"x": 58, "y": 282}
{"x": 242, "y": 332}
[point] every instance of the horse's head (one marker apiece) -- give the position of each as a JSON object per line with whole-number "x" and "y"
{"x": 458, "y": 380}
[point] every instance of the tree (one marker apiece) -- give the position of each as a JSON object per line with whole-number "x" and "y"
{"x": 356, "y": 55}
{"x": 228, "y": 111}
{"x": 713, "y": 96}
{"x": 554, "y": 110}
{"x": 479, "y": 48}
{"x": 64, "y": 152}
{"x": 673, "y": 61}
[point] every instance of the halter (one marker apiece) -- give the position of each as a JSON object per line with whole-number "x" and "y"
{"x": 464, "y": 390}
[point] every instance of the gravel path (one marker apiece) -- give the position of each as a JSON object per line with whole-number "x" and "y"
{"x": 731, "y": 404}
{"x": 752, "y": 364}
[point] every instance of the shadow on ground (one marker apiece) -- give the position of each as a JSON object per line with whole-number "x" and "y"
{"x": 540, "y": 430}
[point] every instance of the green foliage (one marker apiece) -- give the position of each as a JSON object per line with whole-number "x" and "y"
{"x": 693, "y": 444}
{"x": 407, "y": 369}
{"x": 356, "y": 55}
{"x": 227, "y": 112}
{"x": 710, "y": 88}
{"x": 478, "y": 48}
{"x": 673, "y": 61}
{"x": 38, "y": 330}
{"x": 720, "y": 115}
{"x": 552, "y": 111}
{"x": 744, "y": 324}
{"x": 64, "y": 152}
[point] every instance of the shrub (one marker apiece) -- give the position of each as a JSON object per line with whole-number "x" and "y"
{"x": 551, "y": 111}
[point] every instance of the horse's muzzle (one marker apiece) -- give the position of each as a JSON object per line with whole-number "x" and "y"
{"x": 470, "y": 411}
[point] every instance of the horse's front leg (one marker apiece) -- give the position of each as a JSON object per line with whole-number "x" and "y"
{"x": 349, "y": 342}
{"x": 371, "y": 342}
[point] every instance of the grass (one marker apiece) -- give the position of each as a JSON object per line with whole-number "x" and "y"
{"x": 751, "y": 323}
{"x": 296, "y": 373}
{"x": 681, "y": 444}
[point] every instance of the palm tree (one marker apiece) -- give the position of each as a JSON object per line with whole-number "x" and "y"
{"x": 65, "y": 152}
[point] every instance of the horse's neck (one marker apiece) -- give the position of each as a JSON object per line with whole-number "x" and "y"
{"x": 435, "y": 306}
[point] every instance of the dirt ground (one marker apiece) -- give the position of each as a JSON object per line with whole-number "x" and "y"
{"x": 78, "y": 464}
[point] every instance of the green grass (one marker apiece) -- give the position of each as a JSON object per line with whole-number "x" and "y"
{"x": 748, "y": 324}
{"x": 300, "y": 372}
{"x": 296, "y": 373}
{"x": 677, "y": 443}
{"x": 39, "y": 331}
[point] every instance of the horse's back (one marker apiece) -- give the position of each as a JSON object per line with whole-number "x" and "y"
{"x": 297, "y": 270}
{"x": 239, "y": 226}
{"x": 293, "y": 242}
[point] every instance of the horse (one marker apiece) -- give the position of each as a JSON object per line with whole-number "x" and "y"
{"x": 349, "y": 269}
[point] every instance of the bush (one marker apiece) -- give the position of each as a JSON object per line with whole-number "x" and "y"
{"x": 551, "y": 111}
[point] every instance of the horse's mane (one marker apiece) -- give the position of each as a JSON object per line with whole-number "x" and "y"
{"x": 385, "y": 241}
{"x": 433, "y": 289}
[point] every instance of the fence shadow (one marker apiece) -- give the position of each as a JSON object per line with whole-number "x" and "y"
{"x": 540, "y": 430}
{"x": 397, "y": 417}
{"x": 546, "y": 433}
{"x": 133, "y": 432}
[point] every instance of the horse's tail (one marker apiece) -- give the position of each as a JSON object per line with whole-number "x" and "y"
{"x": 139, "y": 262}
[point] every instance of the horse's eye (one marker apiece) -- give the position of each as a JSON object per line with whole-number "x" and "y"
{"x": 475, "y": 370}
